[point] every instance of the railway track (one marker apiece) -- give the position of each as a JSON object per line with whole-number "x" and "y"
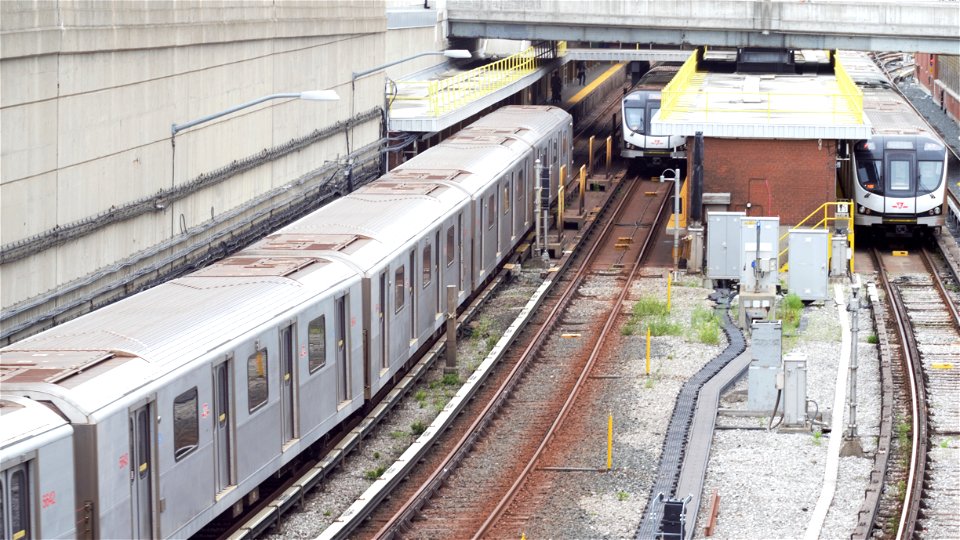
{"x": 465, "y": 499}
{"x": 926, "y": 469}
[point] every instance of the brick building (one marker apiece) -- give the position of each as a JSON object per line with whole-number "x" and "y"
{"x": 939, "y": 74}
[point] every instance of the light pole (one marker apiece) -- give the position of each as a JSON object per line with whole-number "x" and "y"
{"x": 449, "y": 53}
{"x": 676, "y": 217}
{"x": 311, "y": 95}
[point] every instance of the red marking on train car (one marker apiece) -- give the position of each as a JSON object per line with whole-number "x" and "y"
{"x": 49, "y": 498}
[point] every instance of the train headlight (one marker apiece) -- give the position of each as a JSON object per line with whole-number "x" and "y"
{"x": 863, "y": 210}
{"x": 935, "y": 211}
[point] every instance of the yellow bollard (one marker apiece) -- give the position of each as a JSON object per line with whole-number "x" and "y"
{"x": 669, "y": 281}
{"x": 609, "y": 155}
{"x": 648, "y": 350}
{"x": 590, "y": 155}
{"x": 583, "y": 186}
{"x": 609, "y": 441}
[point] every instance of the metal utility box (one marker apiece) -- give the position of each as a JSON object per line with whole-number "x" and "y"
{"x": 759, "y": 247}
{"x": 795, "y": 390}
{"x": 765, "y": 350}
{"x": 840, "y": 257}
{"x": 808, "y": 263}
{"x": 723, "y": 245}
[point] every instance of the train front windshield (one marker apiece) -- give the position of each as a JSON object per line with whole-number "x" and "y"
{"x": 633, "y": 116}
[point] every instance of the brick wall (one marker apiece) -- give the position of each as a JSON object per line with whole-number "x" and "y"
{"x": 786, "y": 178}
{"x": 940, "y": 75}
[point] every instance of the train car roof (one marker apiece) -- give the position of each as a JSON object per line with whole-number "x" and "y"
{"x": 888, "y": 111}
{"x": 103, "y": 355}
{"x": 23, "y": 420}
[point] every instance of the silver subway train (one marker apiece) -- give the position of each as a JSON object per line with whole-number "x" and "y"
{"x": 637, "y": 110}
{"x": 152, "y": 416}
{"x": 897, "y": 179}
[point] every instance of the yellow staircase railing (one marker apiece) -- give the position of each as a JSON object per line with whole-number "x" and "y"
{"x": 842, "y": 212}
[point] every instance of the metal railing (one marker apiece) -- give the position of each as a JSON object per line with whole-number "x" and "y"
{"x": 445, "y": 95}
{"x": 842, "y": 211}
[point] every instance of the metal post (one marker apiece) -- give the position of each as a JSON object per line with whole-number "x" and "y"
{"x": 609, "y": 155}
{"x": 851, "y": 442}
{"x": 583, "y": 187}
{"x": 451, "y": 365}
{"x": 590, "y": 155}
{"x": 676, "y": 222}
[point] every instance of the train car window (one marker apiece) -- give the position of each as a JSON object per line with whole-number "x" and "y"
{"x": 491, "y": 212}
{"x": 899, "y": 175}
{"x": 451, "y": 245}
{"x": 506, "y": 199}
{"x": 186, "y": 427}
{"x": 398, "y": 284}
{"x": 931, "y": 173}
{"x": 869, "y": 175}
{"x": 634, "y": 118}
{"x": 427, "y": 264}
{"x": 555, "y": 152}
{"x": 19, "y": 505}
{"x": 257, "y": 379}
{"x": 317, "y": 343}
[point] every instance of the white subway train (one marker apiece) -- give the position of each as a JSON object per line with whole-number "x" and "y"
{"x": 898, "y": 177}
{"x": 637, "y": 110}
{"x": 152, "y": 416}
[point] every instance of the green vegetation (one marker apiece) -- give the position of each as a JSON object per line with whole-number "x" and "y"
{"x": 873, "y": 339}
{"x": 376, "y": 455}
{"x": 660, "y": 326}
{"x": 417, "y": 428}
{"x": 944, "y": 443}
{"x": 373, "y": 474}
{"x": 789, "y": 311}
{"x": 398, "y": 434}
{"x": 817, "y": 436}
{"x": 622, "y": 495}
{"x": 646, "y": 307}
{"x": 421, "y": 397}
{"x": 706, "y": 325}
{"x": 650, "y": 313}
{"x": 451, "y": 379}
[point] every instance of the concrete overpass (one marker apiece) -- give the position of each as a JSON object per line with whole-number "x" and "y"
{"x": 874, "y": 25}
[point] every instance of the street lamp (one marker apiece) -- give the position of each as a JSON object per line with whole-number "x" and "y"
{"x": 311, "y": 95}
{"x": 449, "y": 53}
{"x": 676, "y": 216}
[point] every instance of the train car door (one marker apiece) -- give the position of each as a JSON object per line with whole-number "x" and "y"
{"x": 900, "y": 181}
{"x": 438, "y": 288}
{"x": 141, "y": 470}
{"x": 15, "y": 496}
{"x": 222, "y": 434}
{"x": 381, "y": 322}
{"x": 288, "y": 382}
{"x": 340, "y": 333}
{"x": 412, "y": 291}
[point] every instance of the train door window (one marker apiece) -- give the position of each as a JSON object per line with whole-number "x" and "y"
{"x": 898, "y": 175}
{"x": 186, "y": 427}
{"x": 381, "y": 323}
{"x": 317, "y": 343}
{"x": 141, "y": 485}
{"x": 288, "y": 385}
{"x": 491, "y": 211}
{"x": 930, "y": 174}
{"x": 257, "y": 391}
{"x": 555, "y": 152}
{"x": 427, "y": 265}
{"x": 343, "y": 367}
{"x": 451, "y": 245}
{"x": 399, "y": 292}
{"x": 521, "y": 193}
{"x": 505, "y": 200}
{"x": 15, "y": 521}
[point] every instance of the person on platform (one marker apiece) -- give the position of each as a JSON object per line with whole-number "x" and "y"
{"x": 556, "y": 86}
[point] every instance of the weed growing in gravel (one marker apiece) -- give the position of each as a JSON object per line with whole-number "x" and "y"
{"x": 661, "y": 326}
{"x": 451, "y": 379}
{"x": 398, "y": 434}
{"x": 327, "y": 513}
{"x": 421, "y": 397}
{"x": 903, "y": 439}
{"x": 944, "y": 443}
{"x": 622, "y": 495}
{"x": 376, "y": 455}
{"x": 706, "y": 325}
{"x": 817, "y": 435}
{"x": 373, "y": 474}
{"x": 789, "y": 311}
{"x": 873, "y": 339}
{"x": 628, "y": 329}
{"x": 417, "y": 428}
{"x": 490, "y": 343}
{"x": 646, "y": 307}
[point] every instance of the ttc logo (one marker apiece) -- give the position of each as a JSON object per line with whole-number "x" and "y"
{"x": 900, "y": 205}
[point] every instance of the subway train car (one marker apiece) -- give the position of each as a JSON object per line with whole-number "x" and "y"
{"x": 177, "y": 402}
{"x": 898, "y": 177}
{"x": 638, "y": 108}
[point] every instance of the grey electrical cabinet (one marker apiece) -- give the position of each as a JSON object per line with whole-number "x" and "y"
{"x": 760, "y": 246}
{"x": 808, "y": 264}
{"x": 723, "y": 245}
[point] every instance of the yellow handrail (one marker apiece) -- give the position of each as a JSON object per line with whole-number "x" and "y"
{"x": 824, "y": 223}
{"x": 453, "y": 92}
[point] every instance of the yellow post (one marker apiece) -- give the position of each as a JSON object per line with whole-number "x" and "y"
{"x": 583, "y": 186}
{"x": 609, "y": 441}
{"x": 560, "y": 197}
{"x": 609, "y": 154}
{"x": 669, "y": 281}
{"x": 648, "y": 350}
{"x": 590, "y": 155}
